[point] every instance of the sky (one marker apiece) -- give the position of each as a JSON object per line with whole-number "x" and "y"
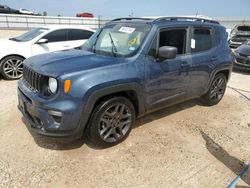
{"x": 137, "y": 8}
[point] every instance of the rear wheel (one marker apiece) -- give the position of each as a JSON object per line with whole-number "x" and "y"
{"x": 12, "y": 67}
{"x": 216, "y": 90}
{"x": 111, "y": 122}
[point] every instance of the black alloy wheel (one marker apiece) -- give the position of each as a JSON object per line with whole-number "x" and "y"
{"x": 216, "y": 90}
{"x": 111, "y": 121}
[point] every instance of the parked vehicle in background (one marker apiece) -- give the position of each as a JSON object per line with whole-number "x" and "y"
{"x": 38, "y": 41}
{"x": 85, "y": 15}
{"x": 7, "y": 10}
{"x": 242, "y": 56}
{"x": 239, "y": 35}
{"x": 25, "y": 11}
{"x": 130, "y": 67}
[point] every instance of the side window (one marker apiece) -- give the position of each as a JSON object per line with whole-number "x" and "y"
{"x": 176, "y": 38}
{"x": 202, "y": 39}
{"x": 79, "y": 34}
{"x": 57, "y": 36}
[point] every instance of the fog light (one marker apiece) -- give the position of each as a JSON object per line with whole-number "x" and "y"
{"x": 55, "y": 113}
{"x": 57, "y": 116}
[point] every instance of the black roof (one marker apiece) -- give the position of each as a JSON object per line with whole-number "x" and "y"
{"x": 162, "y": 19}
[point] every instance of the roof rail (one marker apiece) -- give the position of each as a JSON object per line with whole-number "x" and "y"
{"x": 130, "y": 18}
{"x": 187, "y": 18}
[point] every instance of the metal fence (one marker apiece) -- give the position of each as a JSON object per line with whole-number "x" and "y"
{"x": 12, "y": 21}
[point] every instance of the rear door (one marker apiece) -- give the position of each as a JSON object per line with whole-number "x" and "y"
{"x": 204, "y": 58}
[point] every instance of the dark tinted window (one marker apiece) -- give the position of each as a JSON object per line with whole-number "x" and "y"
{"x": 244, "y": 28}
{"x": 79, "y": 34}
{"x": 202, "y": 40}
{"x": 175, "y": 38}
{"x": 57, "y": 36}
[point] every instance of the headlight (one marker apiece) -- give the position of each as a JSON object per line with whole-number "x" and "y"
{"x": 236, "y": 53}
{"x": 52, "y": 85}
{"x": 233, "y": 33}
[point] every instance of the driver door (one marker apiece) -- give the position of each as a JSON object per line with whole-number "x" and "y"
{"x": 56, "y": 40}
{"x": 166, "y": 81}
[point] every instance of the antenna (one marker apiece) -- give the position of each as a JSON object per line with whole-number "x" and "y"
{"x": 196, "y": 15}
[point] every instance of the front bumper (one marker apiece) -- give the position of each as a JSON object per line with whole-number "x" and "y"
{"x": 60, "y": 118}
{"x": 241, "y": 62}
{"x": 233, "y": 44}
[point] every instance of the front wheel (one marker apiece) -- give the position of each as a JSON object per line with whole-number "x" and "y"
{"x": 216, "y": 90}
{"x": 12, "y": 67}
{"x": 111, "y": 122}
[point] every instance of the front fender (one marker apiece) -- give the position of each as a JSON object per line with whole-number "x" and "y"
{"x": 97, "y": 92}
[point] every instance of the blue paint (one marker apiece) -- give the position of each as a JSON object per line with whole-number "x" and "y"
{"x": 239, "y": 176}
{"x": 152, "y": 82}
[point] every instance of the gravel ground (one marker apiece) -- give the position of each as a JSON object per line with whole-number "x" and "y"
{"x": 187, "y": 145}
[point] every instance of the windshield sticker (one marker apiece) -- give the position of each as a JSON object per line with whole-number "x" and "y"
{"x": 132, "y": 48}
{"x": 127, "y": 30}
{"x": 132, "y": 42}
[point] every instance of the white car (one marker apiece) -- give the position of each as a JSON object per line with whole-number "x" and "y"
{"x": 38, "y": 41}
{"x": 25, "y": 11}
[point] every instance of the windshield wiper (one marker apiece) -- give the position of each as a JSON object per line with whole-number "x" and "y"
{"x": 14, "y": 39}
{"x": 114, "y": 49}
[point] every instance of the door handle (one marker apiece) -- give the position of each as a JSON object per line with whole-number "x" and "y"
{"x": 213, "y": 58}
{"x": 66, "y": 46}
{"x": 184, "y": 64}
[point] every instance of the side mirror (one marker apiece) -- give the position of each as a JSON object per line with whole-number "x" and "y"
{"x": 167, "y": 52}
{"x": 42, "y": 41}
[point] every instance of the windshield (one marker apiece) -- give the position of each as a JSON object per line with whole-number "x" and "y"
{"x": 29, "y": 35}
{"x": 244, "y": 28}
{"x": 118, "y": 39}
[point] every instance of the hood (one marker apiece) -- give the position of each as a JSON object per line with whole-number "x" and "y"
{"x": 63, "y": 62}
{"x": 11, "y": 47}
{"x": 244, "y": 49}
{"x": 9, "y": 43}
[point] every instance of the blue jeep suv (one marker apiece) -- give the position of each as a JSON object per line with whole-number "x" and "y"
{"x": 130, "y": 67}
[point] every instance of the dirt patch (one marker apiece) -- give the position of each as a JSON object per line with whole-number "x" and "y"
{"x": 188, "y": 145}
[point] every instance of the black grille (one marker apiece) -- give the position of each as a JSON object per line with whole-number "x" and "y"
{"x": 239, "y": 38}
{"x": 243, "y": 61}
{"x": 32, "y": 79}
{"x": 243, "y": 55}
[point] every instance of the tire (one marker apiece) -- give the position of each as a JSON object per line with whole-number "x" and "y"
{"x": 216, "y": 90}
{"x": 111, "y": 122}
{"x": 12, "y": 67}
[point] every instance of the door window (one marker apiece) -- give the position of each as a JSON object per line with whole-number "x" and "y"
{"x": 58, "y": 36}
{"x": 80, "y": 34}
{"x": 202, "y": 40}
{"x": 174, "y": 37}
